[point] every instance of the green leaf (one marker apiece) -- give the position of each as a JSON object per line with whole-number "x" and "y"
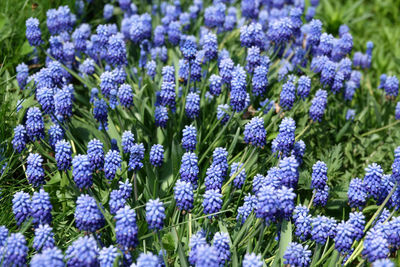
{"x": 182, "y": 257}
{"x": 334, "y": 259}
{"x": 26, "y": 48}
{"x": 286, "y": 238}
{"x": 168, "y": 242}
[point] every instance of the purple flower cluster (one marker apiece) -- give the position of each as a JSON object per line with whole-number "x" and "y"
{"x": 255, "y": 133}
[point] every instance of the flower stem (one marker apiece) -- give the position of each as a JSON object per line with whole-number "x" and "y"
{"x": 135, "y": 186}
{"x": 303, "y": 131}
{"x": 380, "y": 129}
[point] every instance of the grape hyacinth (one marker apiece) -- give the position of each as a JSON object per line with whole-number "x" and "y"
{"x": 21, "y": 207}
{"x": 3, "y": 235}
{"x": 302, "y": 221}
{"x": 136, "y": 157}
{"x": 95, "y": 154}
{"x": 22, "y": 75}
{"x": 155, "y": 214}
{"x": 284, "y": 142}
{"x": 63, "y": 155}
{"x": 147, "y": 259}
{"x": 212, "y": 202}
{"x": 41, "y": 207}
{"x": 44, "y": 238}
{"x": 210, "y": 45}
{"x": 288, "y": 95}
{"x": 157, "y": 155}
{"x": 391, "y": 86}
{"x": 321, "y": 196}
{"x": 383, "y": 263}
{"x": 357, "y": 193}
{"x": 15, "y": 253}
{"x": 20, "y": 138}
{"x": 252, "y": 260}
{"x": 285, "y": 203}
{"x": 167, "y": 94}
{"x": 255, "y": 133}
{"x": 63, "y": 103}
{"x": 34, "y": 170}
{"x": 33, "y": 33}
{"x": 34, "y": 124}
{"x": 125, "y": 95}
{"x": 192, "y": 106}
{"x": 100, "y": 113}
{"x": 223, "y": 113}
{"x": 125, "y": 228}
{"x": 319, "y": 175}
{"x": 357, "y": 221}
{"x": 299, "y": 150}
{"x": 372, "y": 180}
{"x": 151, "y": 68}
{"x": 267, "y": 206}
{"x": 318, "y": 105}
{"x": 226, "y": 67}
{"x": 88, "y": 216}
{"x": 220, "y": 158}
{"x": 112, "y": 162}
{"x": 128, "y": 140}
{"x": 250, "y": 203}
{"x": 189, "y": 169}
{"x": 82, "y": 252}
{"x": 303, "y": 87}
{"x": 289, "y": 172}
{"x": 82, "y": 171}
{"x": 221, "y": 244}
{"x": 161, "y": 116}
{"x": 214, "y": 177}
{"x": 87, "y": 67}
{"x": 48, "y": 257}
{"x": 297, "y": 255}
{"x": 375, "y": 245}
{"x": 118, "y": 197}
{"x": 260, "y": 80}
{"x": 196, "y": 240}
{"x": 343, "y": 238}
{"x": 107, "y": 256}
{"x": 238, "y": 89}
{"x": 116, "y": 51}
{"x": 240, "y": 174}
{"x": 183, "y": 194}
{"x": 196, "y": 83}
{"x": 189, "y": 135}
{"x": 56, "y": 134}
{"x": 212, "y": 256}
{"x": 322, "y": 228}
{"x": 215, "y": 85}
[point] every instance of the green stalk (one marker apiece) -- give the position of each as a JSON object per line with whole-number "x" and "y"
{"x": 260, "y": 237}
{"x": 312, "y": 199}
{"x": 303, "y": 131}
{"x": 332, "y": 248}
{"x": 317, "y": 253}
{"x": 135, "y": 185}
{"x": 380, "y": 129}
{"x": 162, "y": 249}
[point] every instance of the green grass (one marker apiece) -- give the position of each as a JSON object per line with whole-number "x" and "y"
{"x": 368, "y": 21}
